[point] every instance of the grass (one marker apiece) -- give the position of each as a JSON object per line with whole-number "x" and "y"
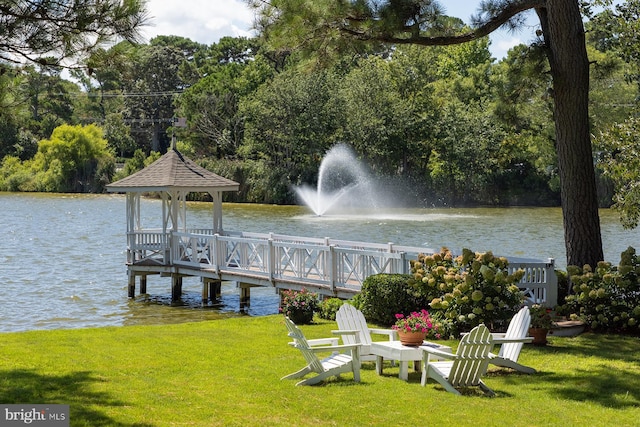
{"x": 227, "y": 373}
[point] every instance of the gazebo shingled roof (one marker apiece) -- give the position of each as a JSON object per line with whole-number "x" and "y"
{"x": 173, "y": 176}
{"x": 173, "y": 171}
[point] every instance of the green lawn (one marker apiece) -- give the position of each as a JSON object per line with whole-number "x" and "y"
{"x": 227, "y": 372}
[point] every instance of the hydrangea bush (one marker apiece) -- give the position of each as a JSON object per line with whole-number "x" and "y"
{"x": 469, "y": 289}
{"x": 607, "y": 298}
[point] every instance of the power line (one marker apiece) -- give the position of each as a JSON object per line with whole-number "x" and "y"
{"x": 119, "y": 94}
{"x": 131, "y": 120}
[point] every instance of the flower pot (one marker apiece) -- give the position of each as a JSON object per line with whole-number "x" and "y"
{"x": 301, "y": 317}
{"x": 539, "y": 335}
{"x": 413, "y": 339}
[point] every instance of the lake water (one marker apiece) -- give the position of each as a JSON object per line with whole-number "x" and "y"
{"x": 62, "y": 257}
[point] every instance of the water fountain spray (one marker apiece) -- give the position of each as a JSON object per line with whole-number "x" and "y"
{"x": 344, "y": 184}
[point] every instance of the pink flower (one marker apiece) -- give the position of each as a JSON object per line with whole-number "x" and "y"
{"x": 414, "y": 322}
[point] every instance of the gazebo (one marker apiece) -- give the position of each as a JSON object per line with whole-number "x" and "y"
{"x": 173, "y": 176}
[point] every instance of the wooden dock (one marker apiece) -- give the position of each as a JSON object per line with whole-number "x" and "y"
{"x": 329, "y": 267}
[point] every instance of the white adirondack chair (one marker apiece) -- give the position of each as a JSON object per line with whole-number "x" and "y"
{"x": 350, "y": 319}
{"x": 511, "y": 342}
{"x": 463, "y": 369}
{"x": 294, "y": 331}
{"x": 333, "y": 365}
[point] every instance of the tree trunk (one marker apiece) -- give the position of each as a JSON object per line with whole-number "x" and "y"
{"x": 155, "y": 137}
{"x": 564, "y": 35}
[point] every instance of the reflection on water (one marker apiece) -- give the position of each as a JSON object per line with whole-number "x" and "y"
{"x": 157, "y": 308}
{"x": 62, "y": 257}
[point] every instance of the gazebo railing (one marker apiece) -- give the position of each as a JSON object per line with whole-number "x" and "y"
{"x": 151, "y": 246}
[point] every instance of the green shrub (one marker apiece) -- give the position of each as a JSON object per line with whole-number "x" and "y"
{"x": 563, "y": 286}
{"x": 470, "y": 289}
{"x": 356, "y": 301}
{"x": 328, "y": 307}
{"x": 607, "y": 298}
{"x": 132, "y": 165}
{"x": 13, "y": 174}
{"x": 385, "y": 295}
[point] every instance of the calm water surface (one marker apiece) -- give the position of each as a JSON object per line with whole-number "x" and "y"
{"x": 62, "y": 257}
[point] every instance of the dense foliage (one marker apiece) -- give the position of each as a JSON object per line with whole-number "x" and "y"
{"x": 607, "y": 297}
{"x": 328, "y": 308}
{"x": 74, "y": 159}
{"x": 619, "y": 160}
{"x": 448, "y": 124}
{"x": 65, "y": 29}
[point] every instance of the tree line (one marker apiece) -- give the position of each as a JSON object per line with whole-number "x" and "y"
{"x": 451, "y": 124}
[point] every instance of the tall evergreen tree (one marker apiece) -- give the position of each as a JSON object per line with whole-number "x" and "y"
{"x": 328, "y": 26}
{"x": 63, "y": 29}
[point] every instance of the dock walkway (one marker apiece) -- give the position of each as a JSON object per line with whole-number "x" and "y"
{"x": 326, "y": 266}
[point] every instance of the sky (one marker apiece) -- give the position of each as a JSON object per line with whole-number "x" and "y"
{"x": 206, "y": 21}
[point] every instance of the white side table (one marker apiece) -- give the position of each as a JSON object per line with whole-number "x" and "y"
{"x": 393, "y": 350}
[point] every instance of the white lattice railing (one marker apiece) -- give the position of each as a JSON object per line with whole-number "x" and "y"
{"x": 539, "y": 283}
{"x": 148, "y": 246}
{"x": 327, "y": 263}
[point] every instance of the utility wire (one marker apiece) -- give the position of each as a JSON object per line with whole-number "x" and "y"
{"x": 118, "y": 94}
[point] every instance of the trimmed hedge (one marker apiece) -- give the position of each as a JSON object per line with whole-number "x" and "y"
{"x": 384, "y": 295}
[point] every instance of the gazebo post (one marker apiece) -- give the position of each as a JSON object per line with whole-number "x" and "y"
{"x": 216, "y": 198}
{"x": 165, "y": 211}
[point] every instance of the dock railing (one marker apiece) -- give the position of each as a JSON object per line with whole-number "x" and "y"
{"x": 328, "y": 266}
